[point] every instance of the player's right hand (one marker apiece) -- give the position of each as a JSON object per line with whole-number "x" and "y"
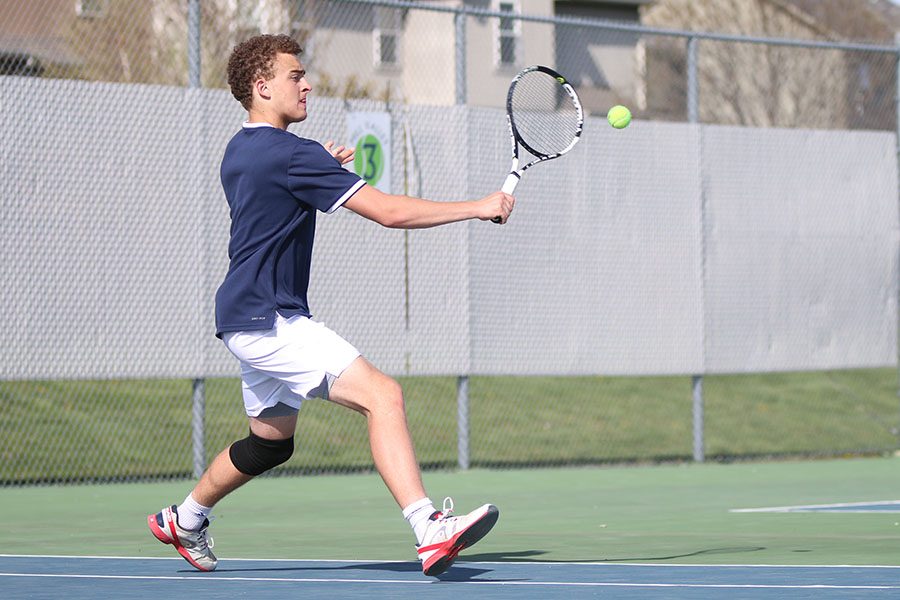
{"x": 496, "y": 207}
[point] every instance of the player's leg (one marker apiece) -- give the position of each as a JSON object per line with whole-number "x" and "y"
{"x": 272, "y": 410}
{"x": 379, "y": 398}
{"x": 253, "y": 458}
{"x": 440, "y": 536}
{"x": 185, "y": 526}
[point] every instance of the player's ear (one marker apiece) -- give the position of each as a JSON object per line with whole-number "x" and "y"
{"x": 262, "y": 88}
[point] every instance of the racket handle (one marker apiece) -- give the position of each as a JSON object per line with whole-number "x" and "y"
{"x": 509, "y": 186}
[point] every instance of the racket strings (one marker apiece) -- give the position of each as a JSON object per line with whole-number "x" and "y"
{"x": 545, "y": 117}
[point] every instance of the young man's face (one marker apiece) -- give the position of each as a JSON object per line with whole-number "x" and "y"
{"x": 288, "y": 88}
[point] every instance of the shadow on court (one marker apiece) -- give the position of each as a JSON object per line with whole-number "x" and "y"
{"x": 395, "y": 567}
{"x": 528, "y": 556}
{"x": 454, "y": 573}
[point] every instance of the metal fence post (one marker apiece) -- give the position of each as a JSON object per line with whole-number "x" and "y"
{"x": 697, "y": 388}
{"x": 462, "y": 382}
{"x": 198, "y": 431}
{"x": 459, "y": 20}
{"x": 462, "y": 421}
{"x": 897, "y": 130}
{"x": 198, "y": 402}
{"x": 193, "y": 43}
{"x": 693, "y": 114}
{"x": 692, "y": 91}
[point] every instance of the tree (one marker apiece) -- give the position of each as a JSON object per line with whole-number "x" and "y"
{"x": 760, "y": 85}
{"x": 146, "y": 41}
{"x": 112, "y": 44}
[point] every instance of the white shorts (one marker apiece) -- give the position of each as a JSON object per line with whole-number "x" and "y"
{"x": 295, "y": 360}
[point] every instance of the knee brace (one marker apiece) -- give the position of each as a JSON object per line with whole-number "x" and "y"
{"x": 254, "y": 455}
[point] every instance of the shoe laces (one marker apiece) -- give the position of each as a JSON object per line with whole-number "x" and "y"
{"x": 442, "y": 523}
{"x": 204, "y": 540}
{"x": 447, "y": 509}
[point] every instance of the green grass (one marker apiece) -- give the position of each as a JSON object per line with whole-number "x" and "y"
{"x": 84, "y": 430}
{"x": 802, "y": 413}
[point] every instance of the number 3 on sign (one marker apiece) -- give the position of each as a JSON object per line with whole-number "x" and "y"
{"x": 370, "y": 134}
{"x": 369, "y": 164}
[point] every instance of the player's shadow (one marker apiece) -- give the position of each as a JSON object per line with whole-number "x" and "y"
{"x": 524, "y": 556}
{"x": 396, "y": 567}
{"x": 462, "y": 571}
{"x": 520, "y": 555}
{"x": 457, "y": 572}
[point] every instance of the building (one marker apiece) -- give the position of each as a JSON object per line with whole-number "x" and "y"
{"x": 410, "y": 54}
{"x": 352, "y": 49}
{"x": 355, "y": 49}
{"x": 32, "y": 40}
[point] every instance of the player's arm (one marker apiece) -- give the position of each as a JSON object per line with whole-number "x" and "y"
{"x": 406, "y": 212}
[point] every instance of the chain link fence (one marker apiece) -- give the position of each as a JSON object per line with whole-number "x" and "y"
{"x": 717, "y": 281}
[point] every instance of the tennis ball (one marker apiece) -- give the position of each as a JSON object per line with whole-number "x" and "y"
{"x": 619, "y": 116}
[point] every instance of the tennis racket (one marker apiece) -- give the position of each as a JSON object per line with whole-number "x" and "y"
{"x": 545, "y": 118}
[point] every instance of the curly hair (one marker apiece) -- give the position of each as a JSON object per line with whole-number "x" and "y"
{"x": 255, "y": 58}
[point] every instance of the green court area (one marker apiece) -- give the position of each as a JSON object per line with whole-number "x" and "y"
{"x": 671, "y": 514}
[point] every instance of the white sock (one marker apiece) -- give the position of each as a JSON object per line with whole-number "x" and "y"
{"x": 416, "y": 514}
{"x": 191, "y": 514}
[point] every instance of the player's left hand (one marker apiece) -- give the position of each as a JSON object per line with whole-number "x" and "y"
{"x": 341, "y": 153}
{"x": 496, "y": 207}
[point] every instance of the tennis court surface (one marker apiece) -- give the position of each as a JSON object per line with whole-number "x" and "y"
{"x": 110, "y": 577}
{"x": 666, "y": 531}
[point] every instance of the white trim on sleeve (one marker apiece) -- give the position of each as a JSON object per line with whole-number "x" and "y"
{"x": 346, "y": 196}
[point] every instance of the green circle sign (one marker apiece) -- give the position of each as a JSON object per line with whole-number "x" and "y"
{"x": 369, "y": 161}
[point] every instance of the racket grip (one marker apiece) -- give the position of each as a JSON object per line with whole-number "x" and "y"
{"x": 509, "y": 186}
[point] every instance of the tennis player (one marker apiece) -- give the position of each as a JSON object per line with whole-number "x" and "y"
{"x": 275, "y": 183}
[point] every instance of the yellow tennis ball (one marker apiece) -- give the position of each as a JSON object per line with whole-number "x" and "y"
{"x": 619, "y": 116}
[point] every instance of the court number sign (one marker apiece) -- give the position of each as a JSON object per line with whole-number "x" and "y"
{"x": 370, "y": 134}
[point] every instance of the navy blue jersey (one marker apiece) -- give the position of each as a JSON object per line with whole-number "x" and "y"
{"x": 274, "y": 182}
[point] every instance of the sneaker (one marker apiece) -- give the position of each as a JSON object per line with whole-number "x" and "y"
{"x": 194, "y": 546}
{"x": 447, "y": 535}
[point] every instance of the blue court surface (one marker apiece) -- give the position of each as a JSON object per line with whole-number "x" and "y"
{"x": 74, "y": 578}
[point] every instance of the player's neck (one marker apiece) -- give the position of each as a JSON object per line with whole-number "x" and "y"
{"x": 259, "y": 116}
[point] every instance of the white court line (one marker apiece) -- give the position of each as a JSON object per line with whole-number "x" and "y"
{"x": 682, "y": 565}
{"x": 462, "y": 561}
{"x": 814, "y": 507}
{"x": 429, "y": 582}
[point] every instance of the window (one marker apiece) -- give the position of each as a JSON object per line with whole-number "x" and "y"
{"x": 90, "y": 9}
{"x": 386, "y": 37}
{"x": 508, "y": 30}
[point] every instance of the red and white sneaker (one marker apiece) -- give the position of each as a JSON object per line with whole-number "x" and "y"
{"x": 447, "y": 535}
{"x": 194, "y": 546}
